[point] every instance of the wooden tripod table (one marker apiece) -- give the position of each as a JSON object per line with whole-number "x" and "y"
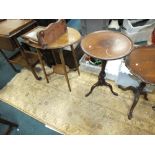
{"x": 105, "y": 45}
{"x": 141, "y": 63}
{"x": 71, "y": 37}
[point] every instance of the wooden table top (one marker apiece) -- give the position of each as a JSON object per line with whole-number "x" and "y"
{"x": 141, "y": 62}
{"x": 106, "y": 45}
{"x": 11, "y": 26}
{"x": 70, "y": 37}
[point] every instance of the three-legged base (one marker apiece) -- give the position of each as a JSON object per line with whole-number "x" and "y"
{"x": 137, "y": 92}
{"x": 101, "y": 80}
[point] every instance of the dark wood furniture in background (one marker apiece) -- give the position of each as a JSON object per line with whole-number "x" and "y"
{"x": 68, "y": 39}
{"x": 105, "y": 45}
{"x": 141, "y": 63}
{"x": 10, "y": 30}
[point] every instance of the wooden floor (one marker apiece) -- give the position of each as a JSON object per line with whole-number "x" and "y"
{"x": 73, "y": 113}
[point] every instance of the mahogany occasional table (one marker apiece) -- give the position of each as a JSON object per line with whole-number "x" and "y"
{"x": 71, "y": 37}
{"x": 141, "y": 63}
{"x": 105, "y": 45}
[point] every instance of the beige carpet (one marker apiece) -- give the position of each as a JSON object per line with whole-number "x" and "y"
{"x": 73, "y": 113}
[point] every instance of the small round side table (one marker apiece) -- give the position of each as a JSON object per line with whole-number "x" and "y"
{"x": 71, "y": 37}
{"x": 141, "y": 63}
{"x": 105, "y": 45}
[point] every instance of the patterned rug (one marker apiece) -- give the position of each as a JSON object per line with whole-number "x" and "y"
{"x": 72, "y": 112}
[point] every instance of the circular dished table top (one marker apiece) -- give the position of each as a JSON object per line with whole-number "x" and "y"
{"x": 141, "y": 63}
{"x": 106, "y": 45}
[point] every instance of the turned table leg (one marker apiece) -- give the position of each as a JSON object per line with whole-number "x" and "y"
{"x": 64, "y": 67}
{"x": 101, "y": 80}
{"x": 137, "y": 92}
